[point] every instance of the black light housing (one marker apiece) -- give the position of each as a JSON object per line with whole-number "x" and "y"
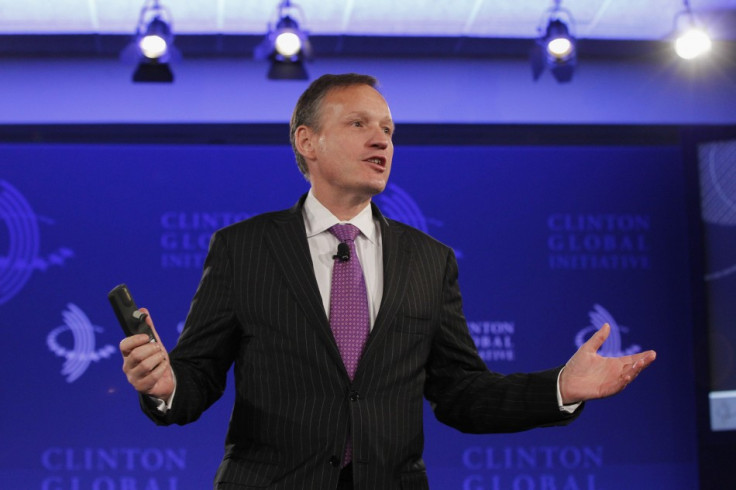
{"x": 556, "y": 48}
{"x": 153, "y": 71}
{"x": 560, "y": 45}
{"x": 152, "y": 46}
{"x": 286, "y": 46}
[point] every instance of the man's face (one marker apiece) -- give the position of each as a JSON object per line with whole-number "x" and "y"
{"x": 352, "y": 151}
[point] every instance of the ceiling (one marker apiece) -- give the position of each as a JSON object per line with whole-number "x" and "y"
{"x": 594, "y": 19}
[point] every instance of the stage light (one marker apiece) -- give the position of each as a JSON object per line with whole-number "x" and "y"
{"x": 560, "y": 45}
{"x": 286, "y": 45}
{"x": 692, "y": 40}
{"x": 692, "y": 44}
{"x": 556, "y": 47}
{"x": 152, "y": 46}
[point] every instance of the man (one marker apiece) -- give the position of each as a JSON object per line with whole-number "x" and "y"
{"x": 307, "y": 413}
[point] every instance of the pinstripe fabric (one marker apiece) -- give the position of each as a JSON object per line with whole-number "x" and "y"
{"x": 258, "y": 307}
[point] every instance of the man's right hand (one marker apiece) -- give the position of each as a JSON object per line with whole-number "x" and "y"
{"x": 146, "y": 364}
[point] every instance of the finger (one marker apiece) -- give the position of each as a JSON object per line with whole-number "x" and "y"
{"x": 640, "y": 362}
{"x": 596, "y": 341}
{"x": 644, "y": 359}
{"x": 150, "y": 363}
{"x": 159, "y": 371}
{"x": 138, "y": 372}
{"x": 149, "y": 322}
{"x": 129, "y": 344}
{"x": 146, "y": 383}
{"x": 141, "y": 360}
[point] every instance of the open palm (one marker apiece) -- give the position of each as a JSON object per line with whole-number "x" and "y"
{"x": 588, "y": 375}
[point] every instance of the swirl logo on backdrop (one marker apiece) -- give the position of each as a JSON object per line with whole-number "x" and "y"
{"x": 599, "y": 241}
{"x": 78, "y": 347}
{"x": 613, "y": 346}
{"x": 397, "y": 204}
{"x": 22, "y": 243}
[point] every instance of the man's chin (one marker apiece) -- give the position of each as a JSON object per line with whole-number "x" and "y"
{"x": 377, "y": 189}
{"x": 378, "y": 186}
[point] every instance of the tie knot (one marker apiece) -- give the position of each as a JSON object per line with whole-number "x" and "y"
{"x": 345, "y": 232}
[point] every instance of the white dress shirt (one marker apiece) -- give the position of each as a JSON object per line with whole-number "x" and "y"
{"x": 323, "y": 245}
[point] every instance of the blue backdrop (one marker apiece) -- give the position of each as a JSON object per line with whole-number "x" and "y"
{"x": 551, "y": 243}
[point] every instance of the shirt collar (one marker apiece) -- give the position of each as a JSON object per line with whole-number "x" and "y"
{"x": 318, "y": 219}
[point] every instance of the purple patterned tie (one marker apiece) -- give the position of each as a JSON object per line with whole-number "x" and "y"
{"x": 349, "y": 317}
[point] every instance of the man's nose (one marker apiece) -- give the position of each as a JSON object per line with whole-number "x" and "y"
{"x": 379, "y": 139}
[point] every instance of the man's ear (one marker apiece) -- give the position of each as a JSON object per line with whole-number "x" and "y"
{"x": 304, "y": 139}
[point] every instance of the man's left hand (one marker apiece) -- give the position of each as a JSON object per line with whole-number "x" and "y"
{"x": 587, "y": 375}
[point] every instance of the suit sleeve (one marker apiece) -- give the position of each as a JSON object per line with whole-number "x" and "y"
{"x": 465, "y": 395}
{"x": 208, "y": 344}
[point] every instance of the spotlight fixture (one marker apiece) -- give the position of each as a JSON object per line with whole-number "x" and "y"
{"x": 555, "y": 48}
{"x": 286, "y": 45}
{"x": 152, "y": 45}
{"x": 692, "y": 40}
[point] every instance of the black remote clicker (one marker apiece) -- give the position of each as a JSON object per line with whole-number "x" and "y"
{"x": 132, "y": 320}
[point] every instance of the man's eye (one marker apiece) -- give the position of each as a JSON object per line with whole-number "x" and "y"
{"x": 357, "y": 124}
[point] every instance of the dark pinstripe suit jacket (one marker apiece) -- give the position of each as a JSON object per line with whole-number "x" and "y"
{"x": 258, "y": 307}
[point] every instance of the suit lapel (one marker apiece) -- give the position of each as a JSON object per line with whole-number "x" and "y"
{"x": 288, "y": 242}
{"x": 396, "y": 264}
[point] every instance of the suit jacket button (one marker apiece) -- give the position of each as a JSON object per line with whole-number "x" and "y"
{"x": 335, "y": 461}
{"x": 354, "y": 396}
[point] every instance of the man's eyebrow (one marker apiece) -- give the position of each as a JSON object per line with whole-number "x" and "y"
{"x": 361, "y": 114}
{"x": 365, "y": 115}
